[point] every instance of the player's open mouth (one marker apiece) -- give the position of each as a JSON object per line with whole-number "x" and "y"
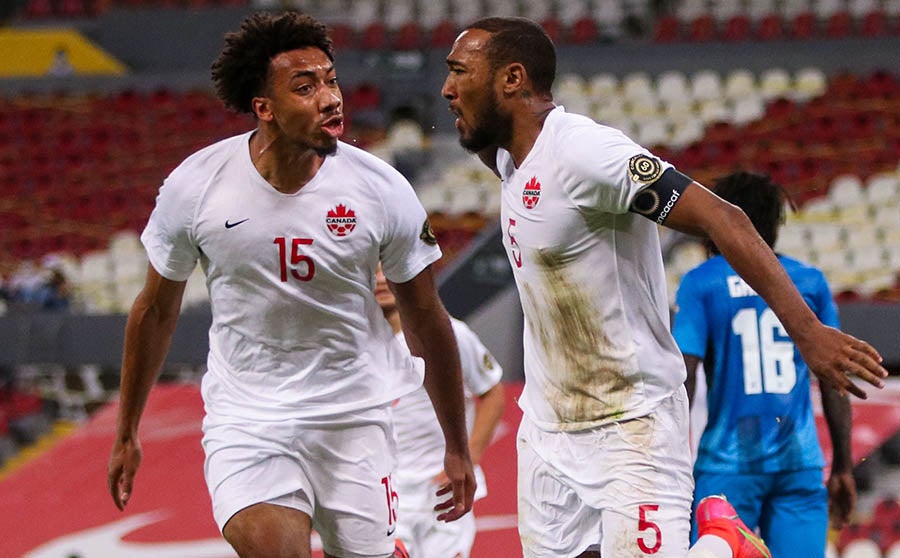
{"x": 334, "y": 126}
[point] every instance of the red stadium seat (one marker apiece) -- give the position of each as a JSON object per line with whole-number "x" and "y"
{"x": 737, "y": 28}
{"x": 874, "y": 24}
{"x": 342, "y": 36}
{"x": 553, "y": 28}
{"x": 584, "y": 31}
{"x": 374, "y": 36}
{"x": 408, "y": 37}
{"x": 803, "y": 26}
{"x": 667, "y": 30}
{"x": 443, "y": 34}
{"x": 770, "y": 28}
{"x": 702, "y": 29}
{"x": 839, "y": 25}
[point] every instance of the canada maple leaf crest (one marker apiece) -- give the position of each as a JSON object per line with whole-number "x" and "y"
{"x": 531, "y": 195}
{"x": 341, "y": 220}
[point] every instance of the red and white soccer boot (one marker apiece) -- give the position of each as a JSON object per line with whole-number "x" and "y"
{"x": 715, "y": 516}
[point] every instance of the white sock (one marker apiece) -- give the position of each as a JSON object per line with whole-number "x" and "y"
{"x": 710, "y": 546}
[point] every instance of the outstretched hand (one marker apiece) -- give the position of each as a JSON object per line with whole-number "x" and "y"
{"x": 124, "y": 461}
{"x": 461, "y": 482}
{"x": 834, "y": 356}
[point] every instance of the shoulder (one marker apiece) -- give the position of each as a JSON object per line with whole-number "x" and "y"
{"x": 706, "y": 274}
{"x": 198, "y": 167}
{"x": 800, "y": 271}
{"x": 367, "y": 166}
{"x": 576, "y": 127}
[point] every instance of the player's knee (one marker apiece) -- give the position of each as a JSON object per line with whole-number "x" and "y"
{"x": 260, "y": 534}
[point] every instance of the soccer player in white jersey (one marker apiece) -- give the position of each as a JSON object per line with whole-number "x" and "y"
{"x": 603, "y": 448}
{"x": 420, "y": 444}
{"x": 290, "y": 224}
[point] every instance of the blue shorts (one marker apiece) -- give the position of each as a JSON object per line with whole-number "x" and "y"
{"x": 790, "y": 509}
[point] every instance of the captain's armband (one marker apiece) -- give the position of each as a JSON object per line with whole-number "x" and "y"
{"x": 656, "y": 200}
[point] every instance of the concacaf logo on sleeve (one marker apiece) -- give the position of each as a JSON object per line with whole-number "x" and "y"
{"x": 341, "y": 220}
{"x": 644, "y": 169}
{"x": 427, "y": 234}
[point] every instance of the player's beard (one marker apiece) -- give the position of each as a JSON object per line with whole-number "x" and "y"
{"x": 493, "y": 129}
{"x": 327, "y": 150}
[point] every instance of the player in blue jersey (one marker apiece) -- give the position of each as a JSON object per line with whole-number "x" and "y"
{"x": 760, "y": 448}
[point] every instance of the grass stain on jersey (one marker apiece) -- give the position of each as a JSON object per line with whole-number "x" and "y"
{"x": 593, "y": 385}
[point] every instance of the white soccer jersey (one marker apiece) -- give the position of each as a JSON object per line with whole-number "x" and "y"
{"x": 590, "y": 276}
{"x": 296, "y": 331}
{"x": 420, "y": 441}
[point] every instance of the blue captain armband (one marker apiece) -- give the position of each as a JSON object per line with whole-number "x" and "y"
{"x": 656, "y": 200}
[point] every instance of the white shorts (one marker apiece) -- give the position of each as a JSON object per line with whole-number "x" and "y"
{"x": 338, "y": 472}
{"x": 624, "y": 488}
{"x": 421, "y": 532}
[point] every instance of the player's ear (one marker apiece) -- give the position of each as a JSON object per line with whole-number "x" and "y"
{"x": 515, "y": 79}
{"x": 262, "y": 108}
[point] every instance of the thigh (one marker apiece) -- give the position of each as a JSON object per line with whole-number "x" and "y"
{"x": 647, "y": 506}
{"x": 269, "y": 530}
{"x": 794, "y": 521}
{"x": 243, "y": 467}
{"x": 350, "y": 467}
{"x": 553, "y": 520}
{"x": 745, "y": 492}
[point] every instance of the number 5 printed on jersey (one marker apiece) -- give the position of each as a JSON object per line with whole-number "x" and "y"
{"x": 301, "y": 266}
{"x": 513, "y": 244}
{"x": 768, "y": 362}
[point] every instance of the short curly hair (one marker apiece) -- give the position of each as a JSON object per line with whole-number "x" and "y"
{"x": 242, "y": 69}
{"x": 761, "y": 198}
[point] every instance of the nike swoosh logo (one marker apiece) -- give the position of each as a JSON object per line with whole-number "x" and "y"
{"x": 236, "y": 223}
{"x": 391, "y": 530}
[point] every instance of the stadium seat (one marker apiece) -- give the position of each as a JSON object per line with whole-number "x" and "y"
{"x": 443, "y": 34}
{"x": 706, "y": 85}
{"x": 667, "y": 29}
{"x": 737, "y": 28}
{"x": 774, "y": 83}
{"x": 874, "y": 24}
{"x": 584, "y": 31}
{"x": 408, "y": 37}
{"x": 770, "y": 27}
{"x": 702, "y": 29}
{"x": 839, "y": 25}
{"x": 803, "y": 25}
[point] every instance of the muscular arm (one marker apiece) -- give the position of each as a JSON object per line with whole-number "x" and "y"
{"x": 841, "y": 486}
{"x": 691, "y": 362}
{"x": 489, "y": 409}
{"x": 429, "y": 335}
{"x": 829, "y": 353}
{"x": 148, "y": 334}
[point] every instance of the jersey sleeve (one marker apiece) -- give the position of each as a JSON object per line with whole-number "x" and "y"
{"x": 825, "y": 309}
{"x": 168, "y": 236}
{"x": 690, "y": 328}
{"x": 480, "y": 369}
{"x": 607, "y": 169}
{"x": 409, "y": 245}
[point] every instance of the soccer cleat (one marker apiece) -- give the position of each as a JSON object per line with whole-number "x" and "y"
{"x": 400, "y": 549}
{"x": 715, "y": 516}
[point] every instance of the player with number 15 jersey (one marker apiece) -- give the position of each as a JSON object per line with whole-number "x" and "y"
{"x": 296, "y": 331}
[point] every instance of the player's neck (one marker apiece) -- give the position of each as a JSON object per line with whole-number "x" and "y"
{"x": 393, "y": 318}
{"x": 285, "y": 168}
{"x": 527, "y": 127}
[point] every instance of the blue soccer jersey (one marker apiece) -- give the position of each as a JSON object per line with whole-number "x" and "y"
{"x": 760, "y": 414}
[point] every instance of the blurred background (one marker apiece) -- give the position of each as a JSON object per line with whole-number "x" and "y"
{"x": 101, "y": 99}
